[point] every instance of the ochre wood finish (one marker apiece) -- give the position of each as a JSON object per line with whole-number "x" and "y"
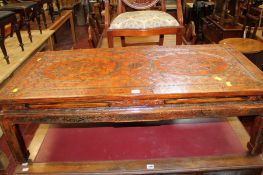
{"x": 135, "y": 84}
{"x": 244, "y": 45}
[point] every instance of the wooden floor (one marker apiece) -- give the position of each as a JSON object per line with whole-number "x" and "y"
{"x": 16, "y": 55}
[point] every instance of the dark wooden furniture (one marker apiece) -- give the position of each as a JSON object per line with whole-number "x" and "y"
{"x": 136, "y": 24}
{"x": 213, "y": 31}
{"x": 136, "y": 84}
{"x": 42, "y": 10}
{"x": 226, "y": 11}
{"x": 7, "y": 17}
{"x": 25, "y": 10}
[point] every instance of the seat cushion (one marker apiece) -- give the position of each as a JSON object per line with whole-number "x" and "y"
{"x": 5, "y": 14}
{"x": 143, "y": 20}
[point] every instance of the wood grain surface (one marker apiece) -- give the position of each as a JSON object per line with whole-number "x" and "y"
{"x": 144, "y": 73}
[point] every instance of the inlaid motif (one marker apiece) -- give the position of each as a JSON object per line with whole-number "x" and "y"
{"x": 83, "y": 69}
{"x": 195, "y": 65}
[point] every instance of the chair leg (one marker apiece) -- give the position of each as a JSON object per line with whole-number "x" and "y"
{"x": 58, "y": 6}
{"x": 110, "y": 40}
{"x": 161, "y": 38}
{"x": 27, "y": 21}
{"x": 37, "y": 11}
{"x": 2, "y": 43}
{"x": 43, "y": 15}
{"x": 16, "y": 29}
{"x": 51, "y": 10}
{"x": 123, "y": 43}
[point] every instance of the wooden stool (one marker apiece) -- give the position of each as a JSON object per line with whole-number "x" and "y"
{"x": 24, "y": 9}
{"x": 244, "y": 45}
{"x": 7, "y": 17}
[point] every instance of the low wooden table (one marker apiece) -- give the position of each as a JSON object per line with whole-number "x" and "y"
{"x": 135, "y": 84}
{"x": 244, "y": 45}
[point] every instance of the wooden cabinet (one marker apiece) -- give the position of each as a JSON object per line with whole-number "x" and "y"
{"x": 213, "y": 31}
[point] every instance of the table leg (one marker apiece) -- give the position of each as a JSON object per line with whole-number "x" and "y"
{"x": 15, "y": 140}
{"x": 50, "y": 43}
{"x": 2, "y": 44}
{"x": 51, "y": 10}
{"x": 72, "y": 28}
{"x": 37, "y": 12}
{"x": 18, "y": 34}
{"x": 255, "y": 145}
{"x": 27, "y": 21}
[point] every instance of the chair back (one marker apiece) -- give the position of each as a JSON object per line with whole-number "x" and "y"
{"x": 140, "y": 4}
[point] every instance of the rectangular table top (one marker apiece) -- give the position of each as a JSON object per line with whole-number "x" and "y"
{"x": 134, "y": 72}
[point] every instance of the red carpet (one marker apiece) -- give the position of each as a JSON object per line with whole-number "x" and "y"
{"x": 129, "y": 143}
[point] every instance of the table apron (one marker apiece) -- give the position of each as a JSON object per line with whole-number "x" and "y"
{"x": 134, "y": 114}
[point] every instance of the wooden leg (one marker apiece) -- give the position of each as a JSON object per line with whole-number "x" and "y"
{"x": 27, "y": 21}
{"x": 43, "y": 15}
{"x": 51, "y": 10}
{"x": 15, "y": 141}
{"x": 16, "y": 29}
{"x": 255, "y": 145}
{"x": 37, "y": 12}
{"x": 161, "y": 38}
{"x": 110, "y": 40}
{"x": 123, "y": 43}
{"x": 72, "y": 28}
{"x": 50, "y": 43}
{"x": 58, "y": 6}
{"x": 2, "y": 43}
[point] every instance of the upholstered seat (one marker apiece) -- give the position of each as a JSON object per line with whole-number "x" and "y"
{"x": 145, "y": 19}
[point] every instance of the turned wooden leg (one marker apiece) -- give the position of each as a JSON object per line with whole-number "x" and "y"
{"x": 37, "y": 12}
{"x": 2, "y": 43}
{"x": 123, "y": 43}
{"x": 16, "y": 29}
{"x": 110, "y": 39}
{"x": 51, "y": 10}
{"x": 161, "y": 38}
{"x": 27, "y": 21}
{"x": 43, "y": 15}
{"x": 58, "y": 6}
{"x": 255, "y": 145}
{"x": 15, "y": 140}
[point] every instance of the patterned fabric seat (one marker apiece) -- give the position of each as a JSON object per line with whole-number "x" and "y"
{"x": 145, "y": 19}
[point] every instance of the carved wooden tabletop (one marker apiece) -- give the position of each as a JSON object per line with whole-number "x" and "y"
{"x": 134, "y": 72}
{"x": 244, "y": 45}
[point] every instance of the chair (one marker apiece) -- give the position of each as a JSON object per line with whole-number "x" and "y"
{"x": 7, "y": 17}
{"x": 25, "y": 10}
{"x": 143, "y": 22}
{"x": 189, "y": 37}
